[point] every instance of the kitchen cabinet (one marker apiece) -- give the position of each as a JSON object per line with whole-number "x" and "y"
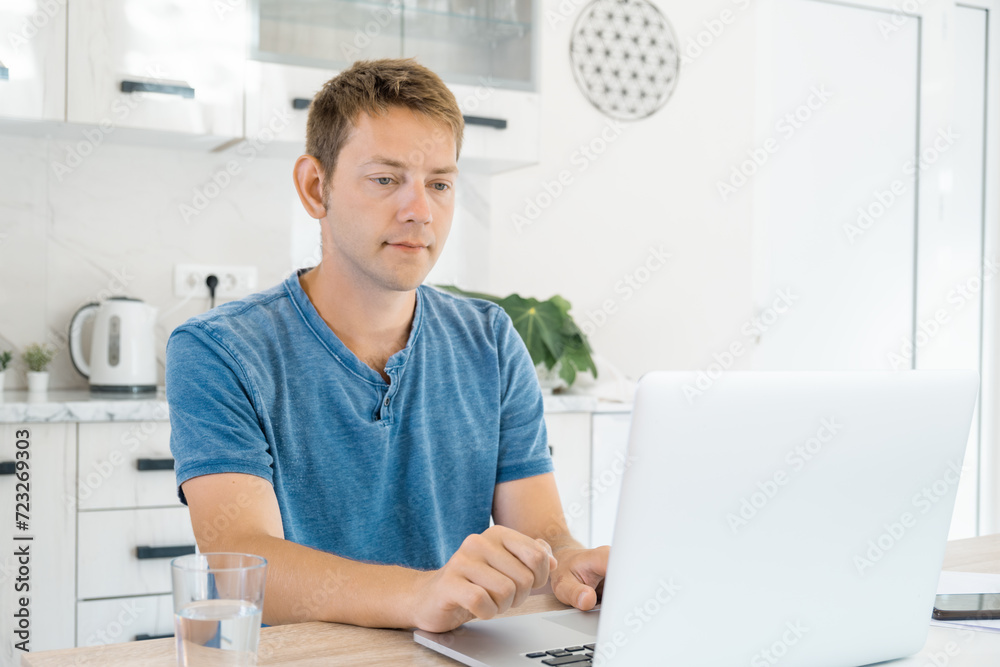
{"x": 48, "y": 577}
{"x": 464, "y": 41}
{"x": 482, "y": 50}
{"x": 33, "y": 61}
{"x": 169, "y": 65}
{"x": 569, "y": 444}
{"x": 131, "y": 524}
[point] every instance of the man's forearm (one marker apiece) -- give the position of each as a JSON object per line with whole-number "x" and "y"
{"x": 304, "y": 584}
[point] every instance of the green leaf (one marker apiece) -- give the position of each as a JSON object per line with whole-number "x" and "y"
{"x": 540, "y": 324}
{"x": 472, "y": 295}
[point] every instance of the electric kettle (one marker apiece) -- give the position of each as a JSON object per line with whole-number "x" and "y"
{"x": 122, "y": 347}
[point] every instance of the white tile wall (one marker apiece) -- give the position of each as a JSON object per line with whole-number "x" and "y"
{"x": 114, "y": 224}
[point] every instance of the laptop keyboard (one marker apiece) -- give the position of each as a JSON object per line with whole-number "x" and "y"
{"x": 578, "y": 656}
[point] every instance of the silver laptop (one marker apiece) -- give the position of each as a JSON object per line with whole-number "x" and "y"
{"x": 783, "y": 518}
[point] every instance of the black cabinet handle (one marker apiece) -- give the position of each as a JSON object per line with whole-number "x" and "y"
{"x": 498, "y": 123}
{"x": 144, "y": 637}
{"x": 7, "y": 467}
{"x": 144, "y": 553}
{"x": 154, "y": 464}
{"x": 165, "y": 88}
{"x": 301, "y": 103}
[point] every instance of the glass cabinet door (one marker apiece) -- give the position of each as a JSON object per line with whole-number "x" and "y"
{"x": 464, "y": 41}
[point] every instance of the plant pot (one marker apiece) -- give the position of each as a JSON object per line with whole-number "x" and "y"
{"x": 549, "y": 380}
{"x": 38, "y": 382}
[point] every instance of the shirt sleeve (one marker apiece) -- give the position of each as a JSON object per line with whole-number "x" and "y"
{"x": 214, "y": 427}
{"x": 524, "y": 449}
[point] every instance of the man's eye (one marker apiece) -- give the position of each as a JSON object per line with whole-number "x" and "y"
{"x": 383, "y": 180}
{"x": 441, "y": 187}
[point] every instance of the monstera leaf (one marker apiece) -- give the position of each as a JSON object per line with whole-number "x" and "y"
{"x": 548, "y": 331}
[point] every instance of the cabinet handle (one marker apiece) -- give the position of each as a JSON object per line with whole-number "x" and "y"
{"x": 165, "y": 88}
{"x": 4, "y": 73}
{"x": 154, "y": 464}
{"x": 7, "y": 467}
{"x": 301, "y": 103}
{"x": 498, "y": 123}
{"x": 144, "y": 637}
{"x": 144, "y": 553}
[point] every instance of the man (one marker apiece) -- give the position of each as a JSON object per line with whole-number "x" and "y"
{"x": 358, "y": 429}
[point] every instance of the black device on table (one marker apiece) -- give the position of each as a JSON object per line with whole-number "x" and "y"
{"x": 966, "y": 606}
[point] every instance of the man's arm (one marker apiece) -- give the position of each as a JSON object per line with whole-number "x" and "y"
{"x": 488, "y": 574}
{"x": 531, "y": 506}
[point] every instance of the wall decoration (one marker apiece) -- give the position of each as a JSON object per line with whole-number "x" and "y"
{"x": 625, "y": 58}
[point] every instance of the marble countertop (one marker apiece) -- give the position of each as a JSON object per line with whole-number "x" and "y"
{"x": 83, "y": 406}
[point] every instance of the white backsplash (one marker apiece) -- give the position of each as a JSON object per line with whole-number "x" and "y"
{"x": 124, "y": 215}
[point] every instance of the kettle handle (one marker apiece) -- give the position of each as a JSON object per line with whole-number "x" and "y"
{"x": 75, "y": 349}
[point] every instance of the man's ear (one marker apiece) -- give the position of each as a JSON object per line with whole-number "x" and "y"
{"x": 309, "y": 177}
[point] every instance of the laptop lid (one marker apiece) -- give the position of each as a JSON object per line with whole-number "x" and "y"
{"x": 792, "y": 518}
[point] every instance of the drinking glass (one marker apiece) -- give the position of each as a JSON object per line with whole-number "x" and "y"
{"x": 218, "y": 603}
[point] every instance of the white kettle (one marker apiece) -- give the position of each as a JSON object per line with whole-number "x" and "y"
{"x": 122, "y": 349}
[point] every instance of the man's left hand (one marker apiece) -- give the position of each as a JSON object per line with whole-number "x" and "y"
{"x": 579, "y": 573}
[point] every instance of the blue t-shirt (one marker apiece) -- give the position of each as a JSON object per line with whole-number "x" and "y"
{"x": 396, "y": 473}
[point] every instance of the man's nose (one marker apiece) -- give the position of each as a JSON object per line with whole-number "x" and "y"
{"x": 415, "y": 206}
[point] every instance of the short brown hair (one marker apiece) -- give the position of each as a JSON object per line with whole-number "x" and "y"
{"x": 371, "y": 87}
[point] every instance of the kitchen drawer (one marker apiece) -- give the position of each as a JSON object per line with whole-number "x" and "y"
{"x": 171, "y": 65}
{"x": 109, "y": 565}
{"x": 124, "y": 619}
{"x": 112, "y": 458}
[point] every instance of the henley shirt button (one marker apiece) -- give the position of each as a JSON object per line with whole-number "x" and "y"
{"x": 387, "y": 402}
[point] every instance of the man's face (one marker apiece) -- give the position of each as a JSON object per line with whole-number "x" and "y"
{"x": 391, "y": 199}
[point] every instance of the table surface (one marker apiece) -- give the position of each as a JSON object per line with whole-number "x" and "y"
{"x": 322, "y": 643}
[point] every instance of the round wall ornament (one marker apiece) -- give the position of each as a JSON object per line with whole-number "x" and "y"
{"x": 625, "y": 58}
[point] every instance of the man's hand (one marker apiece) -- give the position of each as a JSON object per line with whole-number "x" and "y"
{"x": 490, "y": 573}
{"x": 578, "y": 574}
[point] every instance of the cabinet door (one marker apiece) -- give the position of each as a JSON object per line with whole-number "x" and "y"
{"x": 173, "y": 65}
{"x": 33, "y": 60}
{"x": 124, "y": 619}
{"x": 490, "y": 149}
{"x": 126, "y": 465}
{"x": 610, "y": 460}
{"x": 128, "y": 552}
{"x": 278, "y": 99}
{"x": 49, "y": 537}
{"x": 569, "y": 442}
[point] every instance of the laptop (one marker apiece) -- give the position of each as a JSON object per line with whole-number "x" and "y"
{"x": 775, "y": 518}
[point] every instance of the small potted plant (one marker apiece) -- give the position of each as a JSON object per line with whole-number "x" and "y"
{"x": 558, "y": 348}
{"x": 5, "y": 358}
{"x": 38, "y": 357}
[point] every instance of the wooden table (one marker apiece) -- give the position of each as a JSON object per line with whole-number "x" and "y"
{"x": 333, "y": 644}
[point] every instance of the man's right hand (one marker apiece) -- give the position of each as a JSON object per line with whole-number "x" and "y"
{"x": 490, "y": 573}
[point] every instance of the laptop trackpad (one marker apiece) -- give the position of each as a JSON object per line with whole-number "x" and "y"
{"x": 581, "y": 621}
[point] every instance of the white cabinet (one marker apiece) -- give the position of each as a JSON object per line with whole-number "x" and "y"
{"x": 502, "y": 127}
{"x": 131, "y": 524}
{"x": 172, "y": 65}
{"x": 609, "y": 461}
{"x": 278, "y": 98}
{"x": 569, "y": 444}
{"x": 46, "y": 574}
{"x": 33, "y": 60}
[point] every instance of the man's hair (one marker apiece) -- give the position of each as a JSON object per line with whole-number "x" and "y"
{"x": 372, "y": 87}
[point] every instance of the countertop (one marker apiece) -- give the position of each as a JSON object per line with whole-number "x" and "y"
{"x": 333, "y": 644}
{"x": 82, "y": 406}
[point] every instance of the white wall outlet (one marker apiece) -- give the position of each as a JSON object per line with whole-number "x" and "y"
{"x": 234, "y": 281}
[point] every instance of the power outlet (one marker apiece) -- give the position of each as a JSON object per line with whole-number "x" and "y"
{"x": 234, "y": 281}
